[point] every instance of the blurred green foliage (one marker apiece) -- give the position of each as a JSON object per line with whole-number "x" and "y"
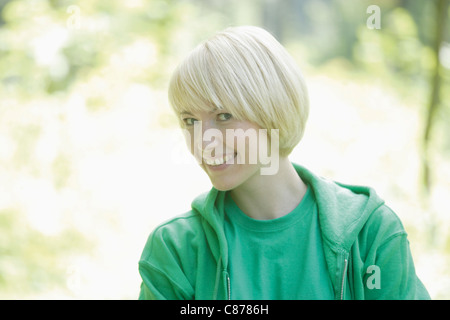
{"x": 31, "y": 261}
{"x": 109, "y": 55}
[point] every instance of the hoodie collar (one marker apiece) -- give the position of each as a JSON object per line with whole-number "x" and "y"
{"x": 210, "y": 205}
{"x": 343, "y": 209}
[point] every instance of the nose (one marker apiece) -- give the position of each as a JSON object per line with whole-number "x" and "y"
{"x": 208, "y": 138}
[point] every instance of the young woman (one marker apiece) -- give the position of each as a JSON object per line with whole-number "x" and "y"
{"x": 283, "y": 233}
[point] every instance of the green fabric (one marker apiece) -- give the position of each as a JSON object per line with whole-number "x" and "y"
{"x": 266, "y": 255}
{"x": 364, "y": 244}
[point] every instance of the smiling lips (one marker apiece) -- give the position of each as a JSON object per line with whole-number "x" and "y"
{"x": 218, "y": 161}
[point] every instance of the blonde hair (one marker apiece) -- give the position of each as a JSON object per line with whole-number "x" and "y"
{"x": 246, "y": 71}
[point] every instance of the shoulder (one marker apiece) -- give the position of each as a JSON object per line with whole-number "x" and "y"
{"x": 381, "y": 228}
{"x": 183, "y": 222}
{"x": 386, "y": 222}
{"x": 174, "y": 234}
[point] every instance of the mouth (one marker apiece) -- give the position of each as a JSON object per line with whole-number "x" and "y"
{"x": 220, "y": 162}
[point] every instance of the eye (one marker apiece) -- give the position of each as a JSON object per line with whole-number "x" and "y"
{"x": 224, "y": 116}
{"x": 189, "y": 121}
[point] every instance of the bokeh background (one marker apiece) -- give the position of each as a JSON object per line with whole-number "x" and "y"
{"x": 91, "y": 159}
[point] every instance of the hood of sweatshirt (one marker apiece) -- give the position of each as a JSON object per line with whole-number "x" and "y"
{"x": 343, "y": 210}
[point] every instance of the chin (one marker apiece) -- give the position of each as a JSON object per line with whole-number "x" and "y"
{"x": 233, "y": 177}
{"x": 224, "y": 185}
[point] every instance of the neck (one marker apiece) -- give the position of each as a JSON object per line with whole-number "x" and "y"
{"x": 265, "y": 197}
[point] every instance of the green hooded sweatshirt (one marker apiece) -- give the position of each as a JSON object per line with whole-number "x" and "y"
{"x": 365, "y": 246}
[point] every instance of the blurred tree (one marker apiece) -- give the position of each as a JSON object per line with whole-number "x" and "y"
{"x": 441, "y": 13}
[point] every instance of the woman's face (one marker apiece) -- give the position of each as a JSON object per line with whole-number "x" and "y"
{"x": 225, "y": 148}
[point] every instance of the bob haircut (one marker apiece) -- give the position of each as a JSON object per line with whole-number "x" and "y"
{"x": 248, "y": 73}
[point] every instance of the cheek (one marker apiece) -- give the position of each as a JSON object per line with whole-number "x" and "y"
{"x": 247, "y": 147}
{"x": 190, "y": 143}
{"x": 189, "y": 140}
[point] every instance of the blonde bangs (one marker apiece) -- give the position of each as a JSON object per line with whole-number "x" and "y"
{"x": 188, "y": 88}
{"x": 198, "y": 84}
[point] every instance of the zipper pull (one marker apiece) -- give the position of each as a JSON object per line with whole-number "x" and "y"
{"x": 229, "y": 287}
{"x": 343, "y": 278}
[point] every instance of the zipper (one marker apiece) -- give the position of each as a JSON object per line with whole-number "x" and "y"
{"x": 229, "y": 287}
{"x": 343, "y": 278}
